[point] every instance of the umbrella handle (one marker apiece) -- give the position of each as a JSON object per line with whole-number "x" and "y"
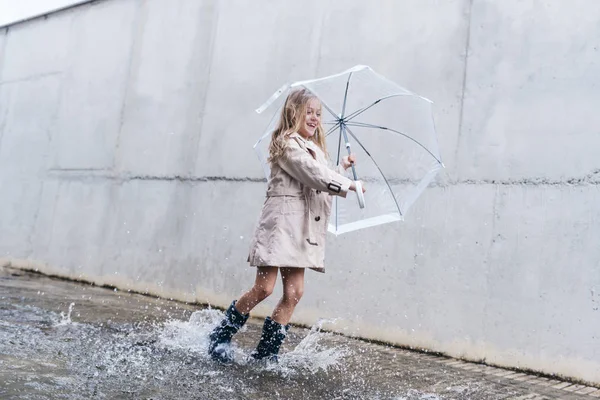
{"x": 354, "y": 172}
{"x": 359, "y": 194}
{"x": 352, "y": 165}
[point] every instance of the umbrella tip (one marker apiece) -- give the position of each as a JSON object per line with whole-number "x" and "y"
{"x": 359, "y": 67}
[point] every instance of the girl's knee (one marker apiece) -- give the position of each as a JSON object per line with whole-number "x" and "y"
{"x": 293, "y": 294}
{"x": 263, "y": 292}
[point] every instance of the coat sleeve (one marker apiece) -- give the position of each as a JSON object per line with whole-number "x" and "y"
{"x": 300, "y": 165}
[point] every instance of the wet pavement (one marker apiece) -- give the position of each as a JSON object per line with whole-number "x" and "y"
{"x": 66, "y": 340}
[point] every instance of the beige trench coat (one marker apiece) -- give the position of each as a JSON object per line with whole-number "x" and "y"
{"x": 292, "y": 227}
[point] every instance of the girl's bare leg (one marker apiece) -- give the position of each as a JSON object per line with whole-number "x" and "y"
{"x": 263, "y": 287}
{"x": 293, "y": 288}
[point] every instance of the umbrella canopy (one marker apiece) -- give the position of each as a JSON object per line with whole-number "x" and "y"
{"x": 389, "y": 128}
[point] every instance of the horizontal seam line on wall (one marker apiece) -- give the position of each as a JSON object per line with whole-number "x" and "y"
{"x": 76, "y": 174}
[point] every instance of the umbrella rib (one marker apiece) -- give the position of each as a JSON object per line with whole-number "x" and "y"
{"x": 338, "y": 163}
{"x": 379, "y": 169}
{"x": 362, "y": 110}
{"x": 364, "y": 125}
{"x": 327, "y": 108}
{"x": 332, "y": 129}
{"x": 346, "y": 96}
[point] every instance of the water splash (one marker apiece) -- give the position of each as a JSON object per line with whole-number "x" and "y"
{"x": 311, "y": 354}
{"x": 66, "y": 319}
{"x": 191, "y": 335}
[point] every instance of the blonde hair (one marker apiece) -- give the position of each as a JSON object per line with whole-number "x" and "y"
{"x": 292, "y": 116}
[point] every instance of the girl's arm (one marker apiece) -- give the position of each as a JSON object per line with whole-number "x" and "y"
{"x": 304, "y": 168}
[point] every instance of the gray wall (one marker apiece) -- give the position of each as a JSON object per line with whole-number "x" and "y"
{"x": 126, "y": 133}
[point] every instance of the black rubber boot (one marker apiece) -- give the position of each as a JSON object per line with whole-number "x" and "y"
{"x": 220, "y": 338}
{"x": 273, "y": 334}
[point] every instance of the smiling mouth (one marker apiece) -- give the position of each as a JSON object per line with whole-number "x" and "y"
{"x": 312, "y": 126}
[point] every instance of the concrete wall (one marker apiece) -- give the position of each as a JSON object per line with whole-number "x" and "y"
{"x": 126, "y": 133}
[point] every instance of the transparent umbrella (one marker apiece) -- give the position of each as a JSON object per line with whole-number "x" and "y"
{"x": 389, "y": 128}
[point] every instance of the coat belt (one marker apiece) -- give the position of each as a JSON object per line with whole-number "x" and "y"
{"x": 284, "y": 192}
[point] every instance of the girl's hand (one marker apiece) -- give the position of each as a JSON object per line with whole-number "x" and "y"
{"x": 347, "y": 161}
{"x": 353, "y": 187}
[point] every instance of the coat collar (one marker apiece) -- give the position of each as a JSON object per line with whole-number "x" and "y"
{"x": 307, "y": 143}
{"x": 298, "y": 136}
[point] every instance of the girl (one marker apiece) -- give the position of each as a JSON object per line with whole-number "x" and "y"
{"x": 290, "y": 235}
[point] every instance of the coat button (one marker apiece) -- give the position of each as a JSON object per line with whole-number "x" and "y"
{"x": 317, "y": 218}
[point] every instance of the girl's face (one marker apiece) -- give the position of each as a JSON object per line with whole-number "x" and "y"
{"x": 312, "y": 119}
